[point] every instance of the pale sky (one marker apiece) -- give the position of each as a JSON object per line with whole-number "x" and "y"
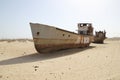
{"x": 15, "y": 15}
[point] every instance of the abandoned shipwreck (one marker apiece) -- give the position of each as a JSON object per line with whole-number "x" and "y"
{"x": 48, "y": 38}
{"x": 99, "y": 36}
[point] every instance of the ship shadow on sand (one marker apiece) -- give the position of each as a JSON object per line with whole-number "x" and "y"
{"x": 40, "y": 57}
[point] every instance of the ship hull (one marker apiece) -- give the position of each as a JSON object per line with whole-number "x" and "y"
{"x": 43, "y": 48}
{"x": 98, "y": 40}
{"x": 48, "y": 38}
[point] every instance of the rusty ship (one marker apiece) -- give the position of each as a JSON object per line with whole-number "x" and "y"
{"x": 99, "y": 36}
{"x": 49, "y": 38}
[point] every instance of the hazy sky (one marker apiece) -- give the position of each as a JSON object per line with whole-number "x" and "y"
{"x": 15, "y": 15}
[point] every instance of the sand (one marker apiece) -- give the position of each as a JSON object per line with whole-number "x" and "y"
{"x": 20, "y": 61}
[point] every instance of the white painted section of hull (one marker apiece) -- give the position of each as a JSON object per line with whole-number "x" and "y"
{"x": 56, "y": 36}
{"x": 86, "y": 40}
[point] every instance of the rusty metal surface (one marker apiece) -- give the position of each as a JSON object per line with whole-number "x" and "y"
{"x": 98, "y": 40}
{"x": 51, "y": 48}
{"x": 50, "y": 45}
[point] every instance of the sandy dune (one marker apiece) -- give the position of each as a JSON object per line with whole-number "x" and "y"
{"x": 20, "y": 61}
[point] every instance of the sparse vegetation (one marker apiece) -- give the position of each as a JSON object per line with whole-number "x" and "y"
{"x": 114, "y": 38}
{"x": 12, "y": 40}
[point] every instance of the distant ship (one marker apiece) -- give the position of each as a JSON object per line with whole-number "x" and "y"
{"x": 49, "y": 38}
{"x": 99, "y": 37}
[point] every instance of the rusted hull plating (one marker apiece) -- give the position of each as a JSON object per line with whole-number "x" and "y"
{"x": 98, "y": 40}
{"x": 51, "y": 48}
{"x": 44, "y": 48}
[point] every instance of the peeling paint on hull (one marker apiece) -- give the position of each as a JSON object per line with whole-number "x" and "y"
{"x": 50, "y": 47}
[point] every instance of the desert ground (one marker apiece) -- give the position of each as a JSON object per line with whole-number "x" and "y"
{"x": 20, "y": 61}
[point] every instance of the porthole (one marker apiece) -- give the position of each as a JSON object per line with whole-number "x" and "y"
{"x": 38, "y": 33}
{"x": 68, "y": 35}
